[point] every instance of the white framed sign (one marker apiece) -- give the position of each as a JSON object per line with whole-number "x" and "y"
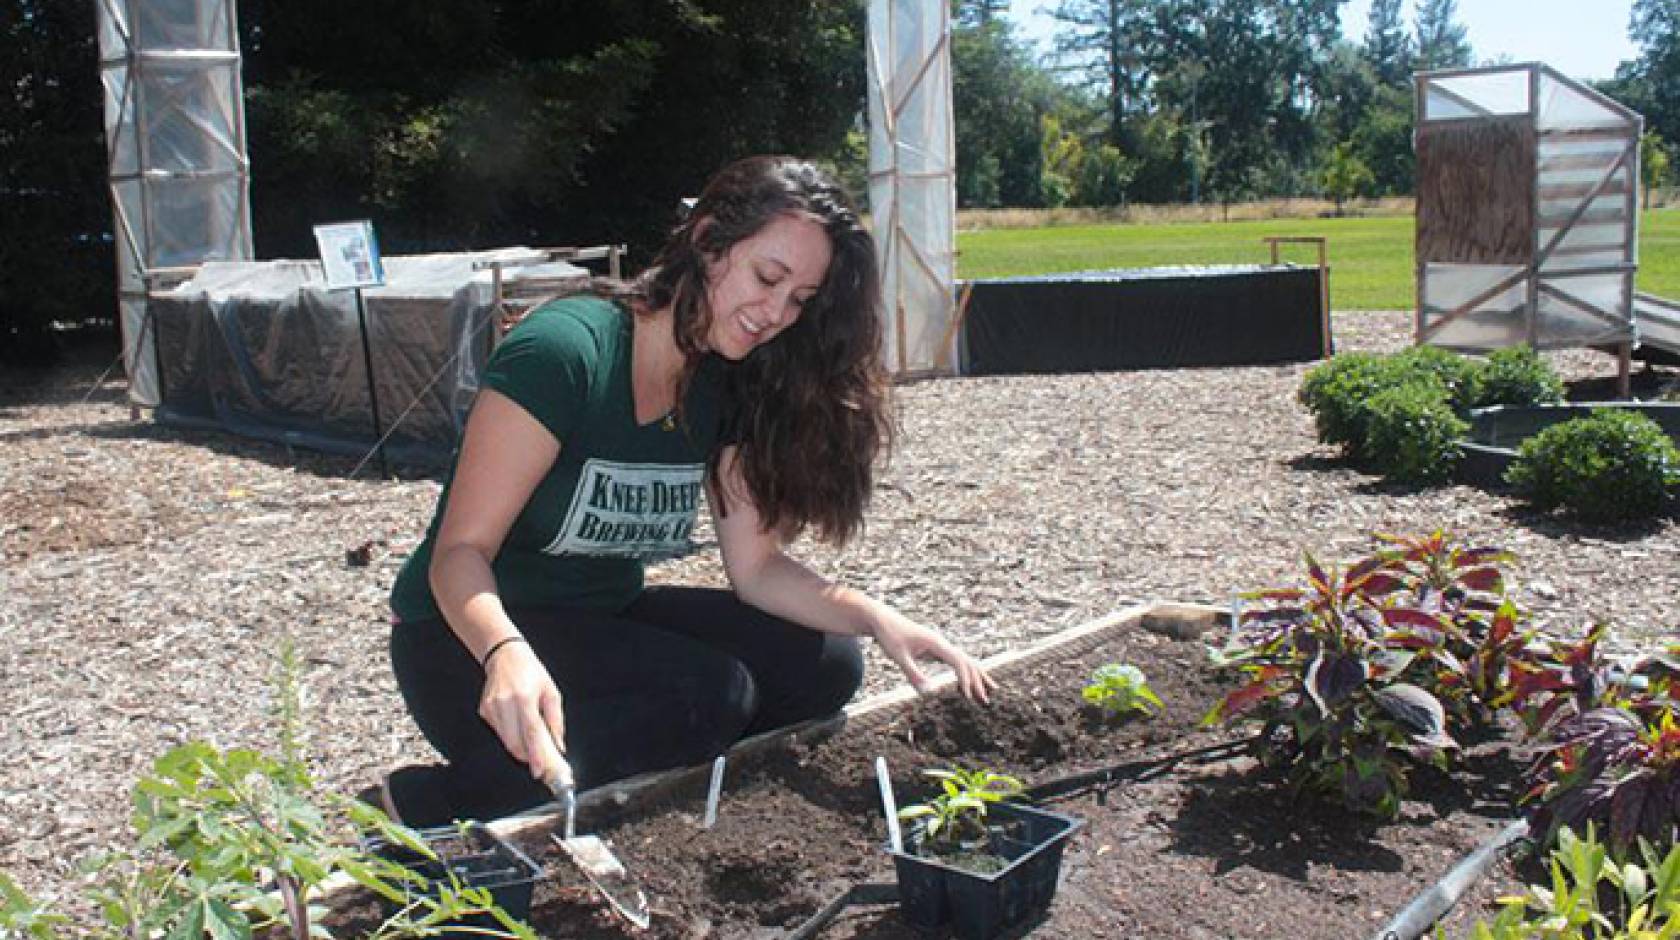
{"x": 349, "y": 255}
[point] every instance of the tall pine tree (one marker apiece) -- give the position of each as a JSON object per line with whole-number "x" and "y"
{"x": 1441, "y": 40}
{"x": 1109, "y": 40}
{"x": 1388, "y": 47}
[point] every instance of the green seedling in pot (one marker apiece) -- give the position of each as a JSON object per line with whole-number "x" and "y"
{"x": 958, "y": 813}
{"x": 1120, "y": 689}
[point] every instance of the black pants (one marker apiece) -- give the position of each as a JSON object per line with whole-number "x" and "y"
{"x": 672, "y": 680}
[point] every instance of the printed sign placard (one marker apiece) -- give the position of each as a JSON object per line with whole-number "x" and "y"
{"x": 349, "y": 255}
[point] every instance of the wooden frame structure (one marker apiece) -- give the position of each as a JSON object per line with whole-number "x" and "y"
{"x": 1527, "y": 211}
{"x": 515, "y": 291}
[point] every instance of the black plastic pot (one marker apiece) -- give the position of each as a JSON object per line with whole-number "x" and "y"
{"x": 933, "y": 894}
{"x": 477, "y": 858}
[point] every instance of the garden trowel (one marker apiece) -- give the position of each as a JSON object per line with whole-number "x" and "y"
{"x": 598, "y": 863}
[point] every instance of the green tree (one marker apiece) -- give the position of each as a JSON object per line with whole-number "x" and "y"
{"x": 56, "y": 259}
{"x": 999, "y": 98}
{"x": 1345, "y": 176}
{"x": 1062, "y": 154}
{"x": 1383, "y": 140}
{"x": 1103, "y": 177}
{"x": 1111, "y": 43}
{"x": 1347, "y": 87}
{"x": 1653, "y": 164}
{"x": 1388, "y": 47}
{"x": 978, "y": 12}
{"x": 1261, "y": 83}
{"x": 1650, "y": 84}
{"x": 485, "y": 122}
{"x": 1442, "y": 41}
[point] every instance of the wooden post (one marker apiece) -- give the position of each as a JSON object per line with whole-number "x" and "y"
{"x": 1329, "y": 345}
{"x": 951, "y": 328}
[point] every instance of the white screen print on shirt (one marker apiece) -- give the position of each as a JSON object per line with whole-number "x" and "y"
{"x": 638, "y": 509}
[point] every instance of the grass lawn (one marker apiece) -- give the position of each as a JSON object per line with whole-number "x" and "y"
{"x": 1370, "y": 258}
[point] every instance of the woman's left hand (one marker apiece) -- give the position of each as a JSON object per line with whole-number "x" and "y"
{"x": 905, "y": 641}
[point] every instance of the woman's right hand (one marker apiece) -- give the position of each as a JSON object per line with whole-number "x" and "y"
{"x": 522, "y": 704}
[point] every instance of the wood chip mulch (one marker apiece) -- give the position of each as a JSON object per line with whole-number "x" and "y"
{"x": 148, "y": 573}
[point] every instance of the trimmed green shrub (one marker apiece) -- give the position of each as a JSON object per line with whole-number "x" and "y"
{"x": 1460, "y": 377}
{"x": 1412, "y": 434}
{"x": 1516, "y": 375}
{"x": 1336, "y": 392}
{"x": 1611, "y": 466}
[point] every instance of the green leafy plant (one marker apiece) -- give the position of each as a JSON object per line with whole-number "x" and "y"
{"x": 1412, "y": 434}
{"x": 1121, "y": 689}
{"x": 1592, "y": 896}
{"x": 233, "y": 844}
{"x": 1398, "y": 414}
{"x": 958, "y": 812}
{"x": 1608, "y": 467}
{"x": 1516, "y": 375}
{"x": 1459, "y": 376}
{"x": 1336, "y": 392}
{"x": 22, "y": 916}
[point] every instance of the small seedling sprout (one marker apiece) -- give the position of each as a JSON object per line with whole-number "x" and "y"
{"x": 1120, "y": 689}
{"x": 959, "y": 811}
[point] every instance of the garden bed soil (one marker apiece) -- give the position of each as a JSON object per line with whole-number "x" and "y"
{"x": 1210, "y": 850}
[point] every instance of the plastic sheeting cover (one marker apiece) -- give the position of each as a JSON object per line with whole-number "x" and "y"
{"x": 262, "y": 349}
{"x": 1563, "y": 106}
{"x": 912, "y": 179}
{"x": 1498, "y": 92}
{"x": 174, "y": 130}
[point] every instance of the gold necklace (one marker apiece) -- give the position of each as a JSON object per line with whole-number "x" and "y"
{"x": 669, "y": 422}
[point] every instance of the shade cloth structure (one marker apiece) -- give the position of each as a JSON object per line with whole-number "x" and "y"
{"x": 1527, "y": 213}
{"x": 263, "y": 349}
{"x": 175, "y": 134}
{"x": 912, "y": 180}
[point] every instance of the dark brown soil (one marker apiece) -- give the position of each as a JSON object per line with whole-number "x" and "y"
{"x": 1208, "y": 848}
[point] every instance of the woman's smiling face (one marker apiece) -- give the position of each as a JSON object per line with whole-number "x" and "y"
{"x": 762, "y": 283}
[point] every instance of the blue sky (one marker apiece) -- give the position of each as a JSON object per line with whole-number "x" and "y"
{"x": 1583, "y": 39}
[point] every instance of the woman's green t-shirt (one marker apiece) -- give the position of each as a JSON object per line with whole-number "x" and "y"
{"x": 618, "y": 494}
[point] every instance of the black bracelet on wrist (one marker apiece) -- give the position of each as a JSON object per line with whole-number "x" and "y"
{"x": 494, "y": 647}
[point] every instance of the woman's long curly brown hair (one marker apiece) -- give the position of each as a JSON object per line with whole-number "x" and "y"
{"x": 808, "y": 410}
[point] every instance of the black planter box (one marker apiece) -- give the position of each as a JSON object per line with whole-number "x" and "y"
{"x": 933, "y": 894}
{"x": 477, "y": 858}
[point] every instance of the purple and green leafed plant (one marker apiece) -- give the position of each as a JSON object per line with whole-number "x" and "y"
{"x": 1616, "y": 767}
{"x": 1449, "y": 608}
{"x": 1565, "y": 681}
{"x": 1610, "y": 744}
{"x": 1324, "y": 682}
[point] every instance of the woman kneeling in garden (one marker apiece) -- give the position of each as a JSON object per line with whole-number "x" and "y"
{"x": 745, "y": 364}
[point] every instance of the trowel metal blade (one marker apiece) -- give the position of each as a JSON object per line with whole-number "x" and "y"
{"x": 608, "y": 875}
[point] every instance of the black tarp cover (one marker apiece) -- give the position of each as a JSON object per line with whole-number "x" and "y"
{"x": 1139, "y": 319}
{"x": 264, "y": 350}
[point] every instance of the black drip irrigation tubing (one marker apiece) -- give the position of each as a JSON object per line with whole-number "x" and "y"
{"x": 1134, "y": 771}
{"x": 1106, "y": 777}
{"x": 867, "y": 892}
{"x": 1416, "y": 918}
